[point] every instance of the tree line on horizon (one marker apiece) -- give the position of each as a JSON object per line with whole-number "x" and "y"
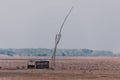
{"x": 60, "y": 52}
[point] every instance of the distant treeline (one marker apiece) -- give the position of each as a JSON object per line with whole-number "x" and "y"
{"x": 60, "y": 52}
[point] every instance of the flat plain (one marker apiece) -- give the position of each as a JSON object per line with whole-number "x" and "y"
{"x": 70, "y": 68}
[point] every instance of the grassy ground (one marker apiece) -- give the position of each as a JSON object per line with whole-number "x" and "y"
{"x": 57, "y": 75}
{"x": 71, "y": 69}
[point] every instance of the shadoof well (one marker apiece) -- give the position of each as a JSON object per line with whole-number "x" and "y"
{"x": 35, "y": 63}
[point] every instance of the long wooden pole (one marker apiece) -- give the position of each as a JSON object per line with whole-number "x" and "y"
{"x": 57, "y": 40}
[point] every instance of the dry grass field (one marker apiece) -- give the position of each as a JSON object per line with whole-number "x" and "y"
{"x": 71, "y": 68}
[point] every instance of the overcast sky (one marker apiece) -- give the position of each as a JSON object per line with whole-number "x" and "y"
{"x": 93, "y": 24}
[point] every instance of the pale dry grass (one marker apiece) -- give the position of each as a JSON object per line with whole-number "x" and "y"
{"x": 80, "y": 68}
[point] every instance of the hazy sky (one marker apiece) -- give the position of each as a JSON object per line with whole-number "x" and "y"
{"x": 93, "y": 24}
